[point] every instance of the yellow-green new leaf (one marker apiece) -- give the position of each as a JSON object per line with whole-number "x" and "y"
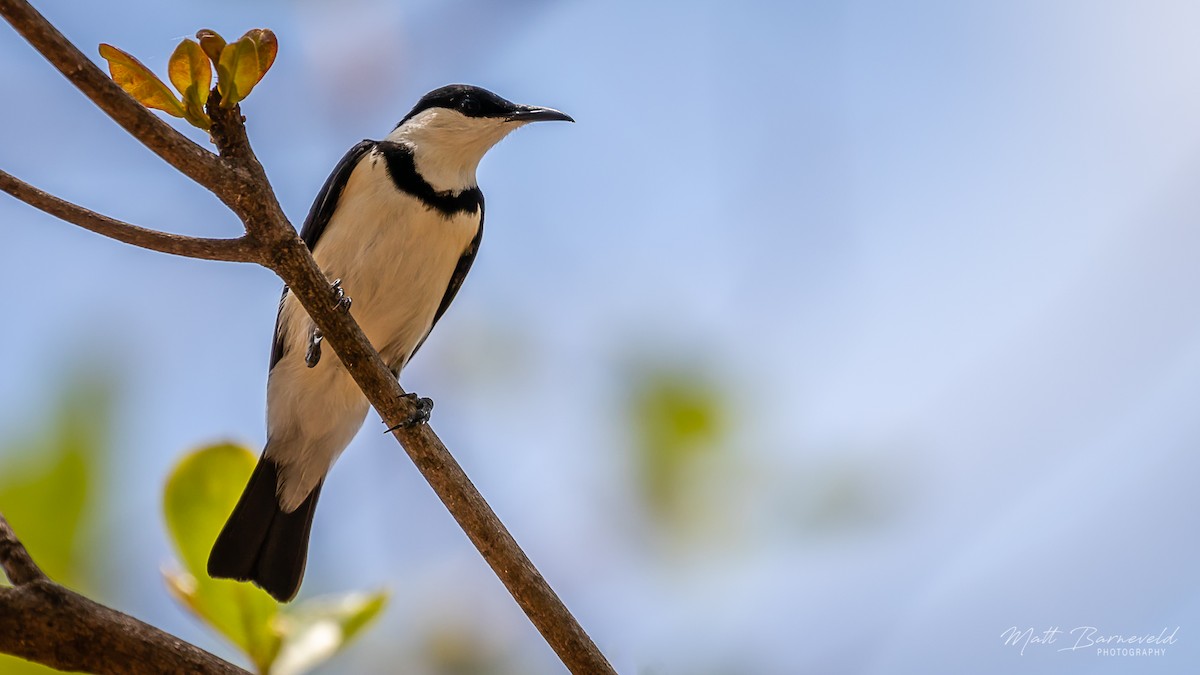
{"x": 243, "y": 64}
{"x": 189, "y": 68}
{"x": 200, "y": 494}
{"x": 137, "y": 80}
{"x": 211, "y": 42}
{"x": 191, "y": 73}
{"x": 267, "y": 47}
{"x": 194, "y": 112}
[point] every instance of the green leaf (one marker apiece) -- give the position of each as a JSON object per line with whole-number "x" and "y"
{"x": 200, "y": 494}
{"x": 44, "y": 501}
{"x": 137, "y": 80}
{"x": 47, "y": 483}
{"x": 678, "y": 421}
{"x": 211, "y": 42}
{"x": 243, "y": 64}
{"x": 50, "y": 490}
{"x": 191, "y": 73}
{"x": 316, "y": 629}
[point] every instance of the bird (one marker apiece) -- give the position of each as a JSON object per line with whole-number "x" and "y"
{"x": 397, "y": 225}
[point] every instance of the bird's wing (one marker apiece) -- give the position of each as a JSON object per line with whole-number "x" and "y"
{"x": 318, "y": 217}
{"x": 460, "y": 270}
{"x": 327, "y": 199}
{"x": 456, "y": 280}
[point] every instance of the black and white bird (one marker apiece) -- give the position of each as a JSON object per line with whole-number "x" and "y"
{"x": 398, "y": 222}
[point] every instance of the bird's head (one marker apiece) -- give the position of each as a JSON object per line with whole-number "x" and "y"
{"x": 452, "y": 128}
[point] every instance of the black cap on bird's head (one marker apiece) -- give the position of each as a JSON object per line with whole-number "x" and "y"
{"x": 471, "y": 101}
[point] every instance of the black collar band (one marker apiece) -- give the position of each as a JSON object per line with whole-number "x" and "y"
{"x": 402, "y": 168}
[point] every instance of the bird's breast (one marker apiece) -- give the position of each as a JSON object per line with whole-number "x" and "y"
{"x": 395, "y": 257}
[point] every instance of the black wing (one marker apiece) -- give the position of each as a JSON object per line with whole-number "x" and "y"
{"x": 318, "y": 217}
{"x": 327, "y": 198}
{"x": 460, "y": 272}
{"x": 456, "y": 280}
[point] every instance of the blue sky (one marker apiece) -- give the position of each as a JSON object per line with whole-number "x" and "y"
{"x": 940, "y": 256}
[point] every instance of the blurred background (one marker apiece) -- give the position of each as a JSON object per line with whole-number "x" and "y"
{"x": 834, "y": 338}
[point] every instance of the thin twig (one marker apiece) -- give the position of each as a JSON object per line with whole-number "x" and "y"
{"x": 47, "y": 623}
{"x": 241, "y": 249}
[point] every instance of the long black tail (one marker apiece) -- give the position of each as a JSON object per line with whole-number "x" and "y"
{"x": 262, "y": 543}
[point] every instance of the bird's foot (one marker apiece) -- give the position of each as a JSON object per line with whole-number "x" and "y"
{"x": 313, "y": 355}
{"x": 420, "y": 415}
{"x": 342, "y": 300}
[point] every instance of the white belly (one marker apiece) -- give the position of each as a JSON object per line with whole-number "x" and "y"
{"x": 395, "y": 258}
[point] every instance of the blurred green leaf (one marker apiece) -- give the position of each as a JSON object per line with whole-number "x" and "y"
{"x": 458, "y": 646}
{"x": 200, "y": 494}
{"x": 139, "y": 82}
{"x": 49, "y": 489}
{"x": 317, "y": 629}
{"x": 48, "y": 482}
{"x": 679, "y": 419}
{"x": 44, "y": 502}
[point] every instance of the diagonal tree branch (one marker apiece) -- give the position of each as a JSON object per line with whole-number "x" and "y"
{"x": 241, "y": 249}
{"x": 289, "y": 257}
{"x": 239, "y": 181}
{"x": 47, "y": 623}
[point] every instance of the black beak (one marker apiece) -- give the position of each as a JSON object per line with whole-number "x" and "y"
{"x": 530, "y": 113}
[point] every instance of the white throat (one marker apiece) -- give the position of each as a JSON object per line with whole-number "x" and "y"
{"x": 447, "y": 145}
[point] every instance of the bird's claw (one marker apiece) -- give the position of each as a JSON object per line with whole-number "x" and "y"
{"x": 342, "y": 301}
{"x": 420, "y": 415}
{"x": 313, "y": 355}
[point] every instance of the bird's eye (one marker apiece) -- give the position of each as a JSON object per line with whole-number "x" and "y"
{"x": 469, "y": 105}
